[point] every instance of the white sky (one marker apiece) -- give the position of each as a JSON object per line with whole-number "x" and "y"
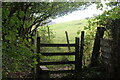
{"x": 80, "y": 14}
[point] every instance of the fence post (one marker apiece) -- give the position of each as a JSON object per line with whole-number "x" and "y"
{"x": 77, "y": 63}
{"x": 81, "y": 48}
{"x": 38, "y": 58}
{"x": 33, "y": 68}
{"x": 67, "y": 40}
{"x": 96, "y": 47}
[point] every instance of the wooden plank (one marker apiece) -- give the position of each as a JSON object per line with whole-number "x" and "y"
{"x": 57, "y": 45}
{"x": 57, "y": 53}
{"x": 44, "y": 68}
{"x": 60, "y": 71}
{"x": 105, "y": 42}
{"x": 106, "y": 55}
{"x": 105, "y": 60}
{"x": 106, "y": 49}
{"x": 57, "y": 63}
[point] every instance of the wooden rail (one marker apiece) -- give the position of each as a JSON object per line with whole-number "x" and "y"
{"x": 57, "y": 63}
{"x": 57, "y": 53}
{"x": 57, "y": 45}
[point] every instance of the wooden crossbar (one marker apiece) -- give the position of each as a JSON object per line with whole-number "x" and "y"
{"x": 57, "y": 63}
{"x": 57, "y": 45}
{"x": 57, "y": 53}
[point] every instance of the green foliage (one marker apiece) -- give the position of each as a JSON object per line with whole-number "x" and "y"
{"x": 104, "y": 20}
{"x": 109, "y": 19}
{"x": 21, "y": 14}
{"x": 19, "y": 23}
{"x": 90, "y": 31}
{"x": 46, "y": 34}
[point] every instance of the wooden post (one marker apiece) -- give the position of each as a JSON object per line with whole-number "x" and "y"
{"x": 48, "y": 32}
{"x": 67, "y": 40}
{"x": 33, "y": 51}
{"x": 77, "y": 63}
{"x": 81, "y": 48}
{"x": 38, "y": 58}
{"x": 33, "y": 42}
{"x": 96, "y": 47}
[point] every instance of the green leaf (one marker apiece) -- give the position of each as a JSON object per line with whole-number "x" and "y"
{"x": 13, "y": 20}
{"x": 21, "y": 14}
{"x": 6, "y": 12}
{"x": 78, "y": 32}
{"x": 85, "y": 28}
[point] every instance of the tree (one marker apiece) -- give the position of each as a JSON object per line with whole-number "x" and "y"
{"x": 20, "y": 21}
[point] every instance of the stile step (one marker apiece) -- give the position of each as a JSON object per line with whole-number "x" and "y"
{"x": 60, "y": 71}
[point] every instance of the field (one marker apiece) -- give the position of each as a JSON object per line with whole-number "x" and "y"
{"x": 71, "y": 27}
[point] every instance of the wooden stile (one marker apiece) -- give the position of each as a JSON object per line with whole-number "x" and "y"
{"x": 77, "y": 63}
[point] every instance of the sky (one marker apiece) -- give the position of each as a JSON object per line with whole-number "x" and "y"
{"x": 79, "y": 14}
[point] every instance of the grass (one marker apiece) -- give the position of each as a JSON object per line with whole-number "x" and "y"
{"x": 71, "y": 27}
